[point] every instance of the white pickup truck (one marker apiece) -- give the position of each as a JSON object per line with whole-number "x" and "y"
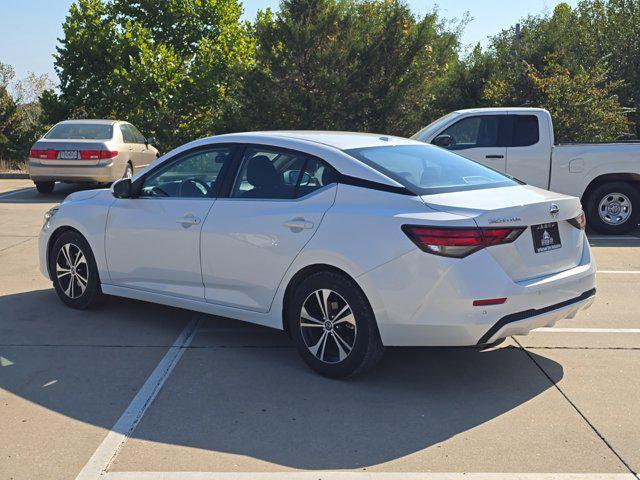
{"x": 519, "y": 142}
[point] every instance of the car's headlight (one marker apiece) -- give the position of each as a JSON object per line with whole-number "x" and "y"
{"x": 49, "y": 215}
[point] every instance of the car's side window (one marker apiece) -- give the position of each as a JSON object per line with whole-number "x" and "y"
{"x": 268, "y": 173}
{"x": 127, "y": 134}
{"x": 139, "y": 138}
{"x": 526, "y": 130}
{"x": 316, "y": 174}
{"x": 193, "y": 175}
{"x": 477, "y": 131}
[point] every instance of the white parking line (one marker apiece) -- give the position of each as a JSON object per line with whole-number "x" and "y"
{"x": 586, "y": 330}
{"x": 126, "y": 424}
{"x": 628, "y": 272}
{"x": 315, "y": 475}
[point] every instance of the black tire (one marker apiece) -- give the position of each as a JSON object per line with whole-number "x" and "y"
{"x": 608, "y": 191}
{"x": 361, "y": 331}
{"x": 73, "y": 243}
{"x": 45, "y": 187}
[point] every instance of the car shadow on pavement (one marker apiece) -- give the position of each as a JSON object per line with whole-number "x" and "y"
{"x": 31, "y": 195}
{"x": 243, "y": 390}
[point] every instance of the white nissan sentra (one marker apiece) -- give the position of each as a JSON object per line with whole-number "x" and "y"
{"x": 349, "y": 242}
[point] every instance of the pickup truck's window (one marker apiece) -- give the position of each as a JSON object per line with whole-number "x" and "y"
{"x": 193, "y": 175}
{"x": 476, "y": 132}
{"x": 425, "y": 170}
{"x": 80, "y": 131}
{"x": 525, "y": 130}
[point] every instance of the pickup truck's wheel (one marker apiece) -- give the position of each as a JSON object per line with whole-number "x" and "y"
{"x": 45, "y": 187}
{"x": 74, "y": 271}
{"x": 613, "y": 208}
{"x": 333, "y": 327}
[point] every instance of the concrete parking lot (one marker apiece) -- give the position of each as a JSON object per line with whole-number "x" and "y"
{"x": 138, "y": 391}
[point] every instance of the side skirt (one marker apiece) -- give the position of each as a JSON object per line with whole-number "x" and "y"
{"x": 264, "y": 319}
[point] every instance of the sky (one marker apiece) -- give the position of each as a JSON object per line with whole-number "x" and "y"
{"x": 30, "y": 28}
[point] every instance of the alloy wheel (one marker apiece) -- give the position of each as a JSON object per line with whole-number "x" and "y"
{"x": 72, "y": 270}
{"x": 328, "y": 326}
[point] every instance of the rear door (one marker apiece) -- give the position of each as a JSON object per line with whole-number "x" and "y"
{"x": 130, "y": 147}
{"x": 272, "y": 209}
{"x": 481, "y": 138}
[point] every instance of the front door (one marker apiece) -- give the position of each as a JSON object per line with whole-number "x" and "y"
{"x": 153, "y": 241}
{"x": 480, "y": 138}
{"x": 249, "y": 239}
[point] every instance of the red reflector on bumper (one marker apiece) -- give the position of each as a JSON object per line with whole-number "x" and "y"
{"x": 489, "y": 301}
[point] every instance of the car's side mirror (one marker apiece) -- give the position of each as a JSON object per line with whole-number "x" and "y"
{"x": 443, "y": 141}
{"x": 121, "y": 188}
{"x": 150, "y": 140}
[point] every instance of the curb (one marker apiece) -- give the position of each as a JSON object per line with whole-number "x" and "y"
{"x": 13, "y": 175}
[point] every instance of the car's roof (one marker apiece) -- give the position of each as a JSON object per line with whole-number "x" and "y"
{"x": 500, "y": 110}
{"x": 339, "y": 140}
{"x": 94, "y": 121}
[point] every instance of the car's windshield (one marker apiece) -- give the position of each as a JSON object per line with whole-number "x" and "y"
{"x": 426, "y": 131}
{"x": 80, "y": 131}
{"x": 425, "y": 169}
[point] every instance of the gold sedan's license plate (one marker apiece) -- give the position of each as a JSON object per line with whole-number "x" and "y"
{"x": 68, "y": 155}
{"x": 546, "y": 237}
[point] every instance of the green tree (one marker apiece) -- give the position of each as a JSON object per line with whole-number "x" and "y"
{"x": 332, "y": 64}
{"x": 171, "y": 71}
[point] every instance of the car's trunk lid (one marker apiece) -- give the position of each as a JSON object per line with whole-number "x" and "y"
{"x": 66, "y": 148}
{"x": 522, "y": 206}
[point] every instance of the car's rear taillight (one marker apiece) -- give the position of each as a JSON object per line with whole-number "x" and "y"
{"x": 89, "y": 154}
{"x": 579, "y": 222}
{"x": 108, "y": 153}
{"x": 45, "y": 154}
{"x": 459, "y": 242}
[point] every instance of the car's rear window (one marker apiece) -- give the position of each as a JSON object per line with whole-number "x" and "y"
{"x": 425, "y": 169}
{"x": 80, "y": 131}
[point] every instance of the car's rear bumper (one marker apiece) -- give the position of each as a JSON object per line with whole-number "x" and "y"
{"x": 521, "y": 323}
{"x": 423, "y": 300}
{"x": 100, "y": 173}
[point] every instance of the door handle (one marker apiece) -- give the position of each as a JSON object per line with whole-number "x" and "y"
{"x": 494, "y": 156}
{"x": 188, "y": 220}
{"x": 298, "y": 224}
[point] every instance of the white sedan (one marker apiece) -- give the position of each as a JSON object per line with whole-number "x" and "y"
{"x": 348, "y": 242}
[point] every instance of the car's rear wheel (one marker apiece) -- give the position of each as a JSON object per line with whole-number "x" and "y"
{"x": 74, "y": 271}
{"x": 613, "y": 208}
{"x": 45, "y": 187}
{"x": 333, "y": 326}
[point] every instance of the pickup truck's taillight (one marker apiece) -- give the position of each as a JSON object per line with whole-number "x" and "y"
{"x": 458, "y": 242}
{"x": 45, "y": 154}
{"x": 579, "y": 222}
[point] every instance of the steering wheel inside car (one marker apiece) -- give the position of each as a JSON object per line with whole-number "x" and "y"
{"x": 193, "y": 187}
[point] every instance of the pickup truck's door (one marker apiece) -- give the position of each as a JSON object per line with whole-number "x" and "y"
{"x": 528, "y": 152}
{"x": 480, "y": 138}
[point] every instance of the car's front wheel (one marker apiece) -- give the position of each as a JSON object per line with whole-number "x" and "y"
{"x": 74, "y": 271}
{"x": 333, "y": 326}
